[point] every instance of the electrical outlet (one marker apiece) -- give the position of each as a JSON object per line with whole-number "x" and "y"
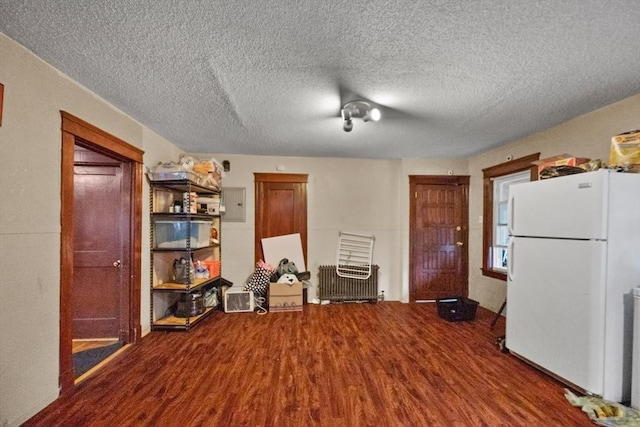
{"x": 480, "y": 219}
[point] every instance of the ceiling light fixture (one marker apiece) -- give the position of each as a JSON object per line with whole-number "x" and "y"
{"x": 358, "y": 109}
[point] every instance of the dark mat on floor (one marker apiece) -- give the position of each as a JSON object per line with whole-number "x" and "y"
{"x": 85, "y": 360}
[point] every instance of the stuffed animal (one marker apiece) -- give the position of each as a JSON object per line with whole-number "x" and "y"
{"x": 201, "y": 271}
{"x": 289, "y": 279}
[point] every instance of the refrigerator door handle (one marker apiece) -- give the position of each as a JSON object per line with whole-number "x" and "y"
{"x": 510, "y": 203}
{"x": 510, "y": 260}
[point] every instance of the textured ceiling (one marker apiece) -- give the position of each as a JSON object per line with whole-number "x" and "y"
{"x": 454, "y": 78}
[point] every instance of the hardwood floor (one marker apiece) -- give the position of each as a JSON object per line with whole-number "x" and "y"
{"x": 389, "y": 364}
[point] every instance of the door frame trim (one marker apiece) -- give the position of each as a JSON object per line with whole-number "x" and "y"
{"x": 294, "y": 178}
{"x": 73, "y": 129}
{"x": 414, "y": 181}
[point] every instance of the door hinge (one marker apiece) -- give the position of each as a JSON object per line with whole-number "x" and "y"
{"x": 415, "y": 195}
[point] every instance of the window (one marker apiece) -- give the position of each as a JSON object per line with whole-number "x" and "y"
{"x": 500, "y": 234}
{"x": 497, "y": 180}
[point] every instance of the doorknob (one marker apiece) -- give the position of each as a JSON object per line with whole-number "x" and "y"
{"x": 459, "y": 243}
{"x": 117, "y": 263}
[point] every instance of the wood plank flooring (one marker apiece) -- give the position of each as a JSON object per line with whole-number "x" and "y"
{"x": 387, "y": 364}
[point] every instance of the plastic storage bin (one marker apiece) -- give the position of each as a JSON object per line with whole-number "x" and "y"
{"x": 173, "y": 234}
{"x": 457, "y": 308}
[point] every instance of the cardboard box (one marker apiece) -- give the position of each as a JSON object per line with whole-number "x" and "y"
{"x": 285, "y": 297}
{"x": 560, "y": 160}
{"x": 625, "y": 149}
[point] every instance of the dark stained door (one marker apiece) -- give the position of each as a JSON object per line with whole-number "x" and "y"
{"x": 76, "y": 134}
{"x": 100, "y": 286}
{"x": 438, "y": 237}
{"x": 281, "y": 208}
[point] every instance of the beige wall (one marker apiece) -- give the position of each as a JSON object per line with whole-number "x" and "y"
{"x": 371, "y": 196}
{"x": 354, "y": 195}
{"x": 366, "y": 187}
{"x": 586, "y": 136}
{"x": 30, "y": 143}
{"x": 368, "y": 196}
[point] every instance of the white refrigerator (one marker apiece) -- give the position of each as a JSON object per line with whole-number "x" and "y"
{"x": 573, "y": 261}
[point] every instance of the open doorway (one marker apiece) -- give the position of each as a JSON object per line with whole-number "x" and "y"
{"x": 100, "y": 243}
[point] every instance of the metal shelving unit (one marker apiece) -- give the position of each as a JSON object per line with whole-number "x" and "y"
{"x": 191, "y": 242}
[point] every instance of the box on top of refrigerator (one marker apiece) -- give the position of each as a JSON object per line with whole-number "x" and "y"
{"x": 560, "y": 160}
{"x": 625, "y": 150}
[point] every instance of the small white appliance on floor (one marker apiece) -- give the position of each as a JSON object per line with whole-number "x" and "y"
{"x": 238, "y": 301}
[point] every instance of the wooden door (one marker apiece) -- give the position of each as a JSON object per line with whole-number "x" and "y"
{"x": 75, "y": 133}
{"x": 438, "y": 237}
{"x": 281, "y": 208}
{"x": 100, "y": 262}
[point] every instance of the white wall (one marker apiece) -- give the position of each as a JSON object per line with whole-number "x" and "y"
{"x": 30, "y": 153}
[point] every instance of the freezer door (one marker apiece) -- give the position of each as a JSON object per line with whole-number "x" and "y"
{"x": 555, "y": 307}
{"x": 572, "y": 207}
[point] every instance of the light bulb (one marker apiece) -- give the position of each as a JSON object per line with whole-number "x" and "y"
{"x": 372, "y": 115}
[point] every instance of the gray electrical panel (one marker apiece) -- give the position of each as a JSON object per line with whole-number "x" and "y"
{"x": 234, "y": 204}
